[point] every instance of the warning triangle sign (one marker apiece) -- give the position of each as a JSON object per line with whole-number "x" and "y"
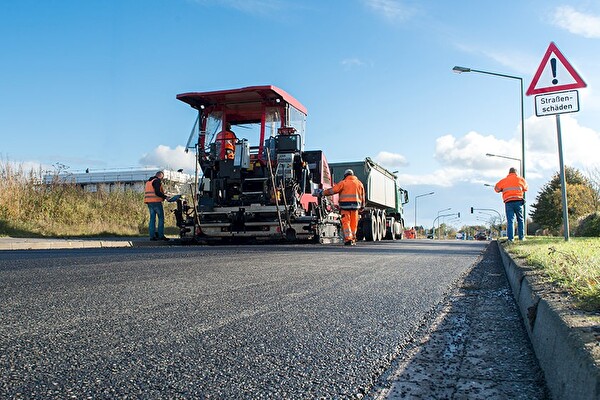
{"x": 554, "y": 74}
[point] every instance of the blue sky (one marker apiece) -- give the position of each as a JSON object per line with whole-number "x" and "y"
{"x": 92, "y": 84}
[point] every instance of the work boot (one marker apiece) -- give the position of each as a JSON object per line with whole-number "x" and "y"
{"x": 166, "y": 239}
{"x": 348, "y": 243}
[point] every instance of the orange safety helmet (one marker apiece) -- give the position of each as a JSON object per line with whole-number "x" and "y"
{"x": 229, "y": 150}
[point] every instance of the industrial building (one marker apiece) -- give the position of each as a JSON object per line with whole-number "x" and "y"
{"x": 111, "y": 180}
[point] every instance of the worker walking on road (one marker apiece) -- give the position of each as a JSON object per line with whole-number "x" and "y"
{"x": 513, "y": 189}
{"x": 154, "y": 195}
{"x": 351, "y": 200}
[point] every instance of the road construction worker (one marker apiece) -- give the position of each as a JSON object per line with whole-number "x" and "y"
{"x": 154, "y": 195}
{"x": 513, "y": 189}
{"x": 225, "y": 144}
{"x": 351, "y": 200}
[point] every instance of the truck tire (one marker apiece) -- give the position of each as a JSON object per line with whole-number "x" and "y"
{"x": 370, "y": 227}
{"x": 360, "y": 232}
{"x": 382, "y": 226}
{"x": 376, "y": 226}
{"x": 390, "y": 233}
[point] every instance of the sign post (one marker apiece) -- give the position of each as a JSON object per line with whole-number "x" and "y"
{"x": 555, "y": 74}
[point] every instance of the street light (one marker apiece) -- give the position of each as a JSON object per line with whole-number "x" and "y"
{"x": 438, "y": 218}
{"x": 460, "y": 70}
{"x": 508, "y": 158}
{"x": 416, "y": 197}
{"x": 493, "y": 218}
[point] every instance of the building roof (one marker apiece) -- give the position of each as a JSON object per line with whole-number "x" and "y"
{"x": 116, "y": 176}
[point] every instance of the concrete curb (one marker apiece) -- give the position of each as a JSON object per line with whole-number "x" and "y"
{"x": 568, "y": 365}
{"x": 54, "y": 244}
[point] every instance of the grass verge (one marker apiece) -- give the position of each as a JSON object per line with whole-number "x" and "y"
{"x": 29, "y": 208}
{"x": 573, "y": 266}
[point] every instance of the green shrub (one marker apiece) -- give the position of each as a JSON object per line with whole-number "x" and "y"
{"x": 589, "y": 226}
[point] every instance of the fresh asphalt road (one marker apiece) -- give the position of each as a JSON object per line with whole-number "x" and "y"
{"x": 263, "y": 321}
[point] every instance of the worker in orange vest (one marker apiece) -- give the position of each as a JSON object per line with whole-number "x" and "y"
{"x": 225, "y": 142}
{"x": 513, "y": 189}
{"x": 154, "y": 195}
{"x": 351, "y": 200}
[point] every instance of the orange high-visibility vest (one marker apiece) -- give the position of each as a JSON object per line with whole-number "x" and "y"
{"x": 149, "y": 193}
{"x": 512, "y": 187}
{"x": 352, "y": 193}
{"x": 224, "y": 141}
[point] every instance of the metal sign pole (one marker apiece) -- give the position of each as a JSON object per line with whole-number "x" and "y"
{"x": 563, "y": 183}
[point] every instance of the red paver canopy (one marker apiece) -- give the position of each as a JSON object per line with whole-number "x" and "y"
{"x": 247, "y": 102}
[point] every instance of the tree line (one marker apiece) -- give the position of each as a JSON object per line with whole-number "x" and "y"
{"x": 583, "y": 201}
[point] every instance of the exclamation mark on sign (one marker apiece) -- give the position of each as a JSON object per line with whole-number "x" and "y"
{"x": 553, "y": 65}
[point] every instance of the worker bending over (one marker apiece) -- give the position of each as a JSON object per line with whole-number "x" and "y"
{"x": 351, "y": 200}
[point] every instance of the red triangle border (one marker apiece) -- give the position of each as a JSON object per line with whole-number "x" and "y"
{"x": 579, "y": 83}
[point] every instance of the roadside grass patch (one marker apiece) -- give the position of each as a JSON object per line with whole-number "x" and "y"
{"x": 573, "y": 266}
{"x": 30, "y": 208}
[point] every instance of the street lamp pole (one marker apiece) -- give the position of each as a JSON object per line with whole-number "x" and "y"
{"x": 459, "y": 70}
{"x": 416, "y": 197}
{"x": 508, "y": 158}
{"x": 438, "y": 218}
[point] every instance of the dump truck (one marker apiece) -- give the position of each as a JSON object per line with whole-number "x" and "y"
{"x": 254, "y": 178}
{"x": 383, "y": 215}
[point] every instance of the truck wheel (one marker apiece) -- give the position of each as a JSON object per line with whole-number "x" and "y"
{"x": 360, "y": 232}
{"x": 390, "y": 233}
{"x": 370, "y": 228}
{"x": 382, "y": 226}
{"x": 377, "y": 218}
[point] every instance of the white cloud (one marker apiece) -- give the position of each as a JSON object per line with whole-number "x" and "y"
{"x": 350, "y": 63}
{"x": 391, "y": 9}
{"x": 391, "y": 160}
{"x": 469, "y": 151}
{"x": 446, "y": 177}
{"x": 580, "y": 144}
{"x": 576, "y": 22}
{"x": 168, "y": 158}
{"x": 463, "y": 159}
{"x": 23, "y": 168}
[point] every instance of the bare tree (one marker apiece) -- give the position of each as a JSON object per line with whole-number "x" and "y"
{"x": 593, "y": 176}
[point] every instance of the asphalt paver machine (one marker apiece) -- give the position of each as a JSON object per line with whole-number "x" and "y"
{"x": 254, "y": 179}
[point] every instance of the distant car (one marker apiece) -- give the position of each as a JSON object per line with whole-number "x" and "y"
{"x": 480, "y": 236}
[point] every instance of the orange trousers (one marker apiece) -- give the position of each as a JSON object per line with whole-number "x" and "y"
{"x": 349, "y": 224}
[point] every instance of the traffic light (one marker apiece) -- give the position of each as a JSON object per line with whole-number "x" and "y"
{"x": 459, "y": 215}
{"x": 471, "y": 210}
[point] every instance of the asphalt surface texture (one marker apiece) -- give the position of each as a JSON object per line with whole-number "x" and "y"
{"x": 475, "y": 348}
{"x": 265, "y": 321}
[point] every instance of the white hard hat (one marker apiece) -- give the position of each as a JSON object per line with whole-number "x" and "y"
{"x": 348, "y": 172}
